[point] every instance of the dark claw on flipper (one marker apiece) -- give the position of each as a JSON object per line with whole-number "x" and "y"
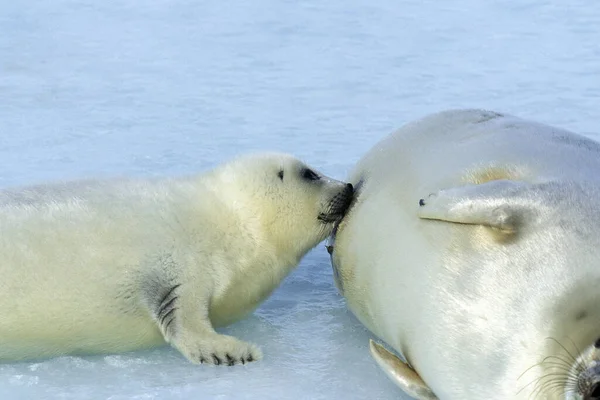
{"x": 230, "y": 360}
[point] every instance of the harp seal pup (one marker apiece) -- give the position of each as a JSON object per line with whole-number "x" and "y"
{"x": 472, "y": 250}
{"x": 105, "y": 266}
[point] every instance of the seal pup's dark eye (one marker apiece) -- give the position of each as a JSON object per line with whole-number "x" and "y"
{"x": 280, "y": 174}
{"x": 310, "y": 175}
{"x": 597, "y": 344}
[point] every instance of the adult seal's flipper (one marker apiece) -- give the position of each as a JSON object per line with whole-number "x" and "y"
{"x": 500, "y": 204}
{"x": 400, "y": 373}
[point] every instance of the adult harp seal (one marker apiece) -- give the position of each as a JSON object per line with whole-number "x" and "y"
{"x": 473, "y": 249}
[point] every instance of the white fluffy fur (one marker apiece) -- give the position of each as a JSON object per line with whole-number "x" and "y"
{"x": 86, "y": 264}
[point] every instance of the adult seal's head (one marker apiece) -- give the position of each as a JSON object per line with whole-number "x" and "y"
{"x": 473, "y": 251}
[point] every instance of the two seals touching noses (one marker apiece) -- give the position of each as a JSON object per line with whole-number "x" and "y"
{"x": 103, "y": 266}
{"x": 472, "y": 249}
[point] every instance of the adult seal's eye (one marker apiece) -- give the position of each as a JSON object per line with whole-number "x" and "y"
{"x": 594, "y": 392}
{"x": 310, "y": 175}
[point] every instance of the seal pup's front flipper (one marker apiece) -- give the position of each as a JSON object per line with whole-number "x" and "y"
{"x": 400, "y": 373}
{"x": 500, "y": 204}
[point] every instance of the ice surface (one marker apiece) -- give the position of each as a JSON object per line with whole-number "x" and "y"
{"x": 93, "y": 88}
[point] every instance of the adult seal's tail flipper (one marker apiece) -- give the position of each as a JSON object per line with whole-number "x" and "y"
{"x": 400, "y": 373}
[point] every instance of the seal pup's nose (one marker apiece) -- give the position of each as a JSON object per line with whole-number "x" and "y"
{"x": 349, "y": 196}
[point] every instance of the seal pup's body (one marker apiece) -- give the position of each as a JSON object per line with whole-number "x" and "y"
{"x": 489, "y": 287}
{"x": 117, "y": 265}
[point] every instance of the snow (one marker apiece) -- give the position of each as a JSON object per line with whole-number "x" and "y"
{"x": 170, "y": 87}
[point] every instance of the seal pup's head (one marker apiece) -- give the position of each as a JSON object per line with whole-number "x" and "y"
{"x": 295, "y": 205}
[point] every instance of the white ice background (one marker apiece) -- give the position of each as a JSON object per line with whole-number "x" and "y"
{"x": 157, "y": 87}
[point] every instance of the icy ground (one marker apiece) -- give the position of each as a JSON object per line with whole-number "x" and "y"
{"x": 93, "y": 88}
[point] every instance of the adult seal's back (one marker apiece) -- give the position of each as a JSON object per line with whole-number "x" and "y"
{"x": 473, "y": 250}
